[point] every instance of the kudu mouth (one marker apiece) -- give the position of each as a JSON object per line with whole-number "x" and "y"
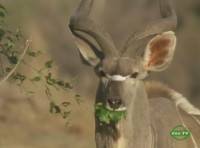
{"x": 114, "y": 98}
{"x": 115, "y": 104}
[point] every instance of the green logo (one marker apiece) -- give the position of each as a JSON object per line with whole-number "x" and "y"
{"x": 180, "y": 133}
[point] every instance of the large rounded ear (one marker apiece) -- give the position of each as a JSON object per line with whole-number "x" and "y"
{"x": 159, "y": 51}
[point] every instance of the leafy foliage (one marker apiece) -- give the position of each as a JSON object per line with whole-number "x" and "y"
{"x": 2, "y": 11}
{"x": 106, "y": 116}
{"x": 12, "y": 55}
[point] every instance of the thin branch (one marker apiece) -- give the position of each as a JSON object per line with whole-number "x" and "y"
{"x": 18, "y": 63}
{"x": 1, "y": 65}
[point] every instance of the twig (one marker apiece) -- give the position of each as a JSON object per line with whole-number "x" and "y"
{"x": 1, "y": 65}
{"x": 18, "y": 63}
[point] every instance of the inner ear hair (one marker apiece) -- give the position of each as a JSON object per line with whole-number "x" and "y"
{"x": 159, "y": 51}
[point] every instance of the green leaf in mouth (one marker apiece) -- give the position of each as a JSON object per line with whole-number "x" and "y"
{"x": 107, "y": 116}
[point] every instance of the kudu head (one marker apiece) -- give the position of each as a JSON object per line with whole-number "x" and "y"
{"x": 120, "y": 71}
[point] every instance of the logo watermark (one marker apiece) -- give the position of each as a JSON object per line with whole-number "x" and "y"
{"x": 180, "y": 133}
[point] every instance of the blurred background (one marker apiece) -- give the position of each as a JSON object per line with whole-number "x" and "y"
{"x": 27, "y": 123}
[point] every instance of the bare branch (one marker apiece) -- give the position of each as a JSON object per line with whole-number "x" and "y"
{"x": 18, "y": 63}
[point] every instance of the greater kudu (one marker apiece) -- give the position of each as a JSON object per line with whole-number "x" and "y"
{"x": 152, "y": 109}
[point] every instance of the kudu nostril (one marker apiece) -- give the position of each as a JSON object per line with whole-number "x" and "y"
{"x": 114, "y": 103}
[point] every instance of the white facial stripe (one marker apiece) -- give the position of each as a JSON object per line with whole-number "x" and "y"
{"x": 117, "y": 77}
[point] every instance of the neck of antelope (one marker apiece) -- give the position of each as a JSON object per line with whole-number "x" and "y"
{"x": 133, "y": 131}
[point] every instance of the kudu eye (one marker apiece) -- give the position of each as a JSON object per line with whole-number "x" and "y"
{"x": 102, "y": 73}
{"x": 134, "y": 75}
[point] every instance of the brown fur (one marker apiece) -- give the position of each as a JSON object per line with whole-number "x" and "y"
{"x": 156, "y": 89}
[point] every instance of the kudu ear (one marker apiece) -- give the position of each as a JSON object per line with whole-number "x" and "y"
{"x": 88, "y": 49}
{"x": 159, "y": 51}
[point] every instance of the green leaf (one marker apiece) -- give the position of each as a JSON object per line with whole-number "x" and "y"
{"x": 2, "y": 11}
{"x": 2, "y": 33}
{"x": 9, "y": 44}
{"x": 61, "y": 83}
{"x": 106, "y": 116}
{"x": 68, "y": 85}
{"x": 30, "y": 92}
{"x": 116, "y": 116}
{"x": 8, "y": 69}
{"x": 13, "y": 59}
{"x": 49, "y": 64}
{"x": 2, "y": 7}
{"x": 36, "y": 79}
{"x": 77, "y": 96}
{"x": 18, "y": 34}
{"x": 48, "y": 92}
{"x": 66, "y": 104}
{"x": 18, "y": 76}
{"x": 78, "y": 100}
{"x": 34, "y": 54}
{"x": 54, "y": 109}
{"x": 50, "y": 80}
{"x": 2, "y": 14}
{"x": 103, "y": 116}
{"x": 66, "y": 114}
